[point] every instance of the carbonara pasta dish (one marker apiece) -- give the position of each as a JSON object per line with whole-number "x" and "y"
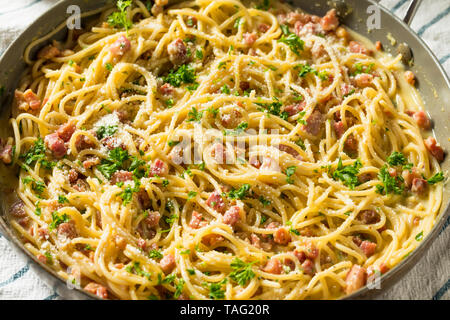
{"x": 219, "y": 150}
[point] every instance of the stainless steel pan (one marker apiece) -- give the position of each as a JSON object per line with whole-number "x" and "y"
{"x": 433, "y": 85}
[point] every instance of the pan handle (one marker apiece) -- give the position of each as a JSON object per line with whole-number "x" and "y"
{"x": 411, "y": 12}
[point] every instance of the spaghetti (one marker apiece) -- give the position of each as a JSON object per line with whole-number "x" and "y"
{"x": 220, "y": 150}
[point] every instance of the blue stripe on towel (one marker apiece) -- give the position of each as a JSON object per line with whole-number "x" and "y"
{"x": 432, "y": 22}
{"x": 442, "y": 291}
{"x": 444, "y": 59}
{"x": 398, "y": 5}
{"x": 19, "y": 274}
{"x": 52, "y": 296}
{"x": 446, "y": 223}
{"x": 18, "y": 9}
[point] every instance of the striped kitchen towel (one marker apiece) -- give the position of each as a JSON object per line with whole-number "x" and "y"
{"x": 429, "y": 279}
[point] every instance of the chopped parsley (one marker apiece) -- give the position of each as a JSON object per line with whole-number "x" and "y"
{"x": 191, "y": 271}
{"x": 171, "y": 219}
{"x": 348, "y": 174}
{"x": 301, "y": 144}
{"x": 119, "y": 18}
{"x": 396, "y": 159}
{"x": 242, "y": 272}
{"x": 36, "y": 152}
{"x": 237, "y": 23}
{"x": 184, "y": 74}
{"x": 240, "y": 193}
{"x": 49, "y": 165}
{"x": 199, "y": 54}
{"x": 114, "y": 162}
{"x": 239, "y": 129}
{"x": 389, "y": 184}
{"x": 419, "y": 236}
{"x": 264, "y": 5}
{"x": 191, "y": 195}
{"x": 304, "y": 70}
{"x": 106, "y": 131}
{"x": 38, "y": 210}
{"x": 213, "y": 111}
{"x": 300, "y": 118}
{"x": 438, "y": 177}
{"x": 289, "y": 173}
{"x": 274, "y": 108}
{"x": 127, "y": 194}
{"x": 216, "y": 290}
{"x": 194, "y": 115}
{"x": 264, "y": 201}
{"x": 292, "y": 40}
{"x": 62, "y": 199}
{"x": 178, "y": 288}
{"x": 225, "y": 89}
{"x": 37, "y": 186}
{"x": 222, "y": 65}
{"x": 172, "y": 143}
{"x": 155, "y": 254}
{"x": 48, "y": 257}
{"x": 263, "y": 219}
{"x": 57, "y": 220}
{"x": 359, "y": 68}
{"x": 169, "y": 103}
{"x": 135, "y": 268}
{"x": 108, "y": 66}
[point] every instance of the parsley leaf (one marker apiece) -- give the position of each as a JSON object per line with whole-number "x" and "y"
{"x": 135, "y": 268}
{"x": 289, "y": 173}
{"x": 191, "y": 195}
{"x": 155, "y": 254}
{"x": 62, "y": 199}
{"x": 304, "y": 69}
{"x": 243, "y": 272}
{"x": 264, "y": 201}
{"x": 119, "y": 19}
{"x": 106, "y": 131}
{"x": 396, "y": 159}
{"x": 178, "y": 288}
{"x": 293, "y": 41}
{"x": 127, "y": 194}
{"x": 216, "y": 291}
{"x": 114, "y": 162}
{"x": 199, "y": 54}
{"x": 274, "y": 108}
{"x": 389, "y": 184}
{"x": 348, "y": 174}
{"x": 419, "y": 236}
{"x": 225, "y": 89}
{"x": 194, "y": 115}
{"x": 184, "y": 74}
{"x": 359, "y": 68}
{"x": 240, "y": 193}
{"x": 37, "y": 186}
{"x": 235, "y": 132}
{"x": 264, "y": 5}
{"x": 300, "y": 143}
{"x": 438, "y": 177}
{"x": 36, "y": 152}
{"x": 57, "y": 220}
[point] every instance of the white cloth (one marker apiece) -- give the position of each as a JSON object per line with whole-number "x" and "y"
{"x": 427, "y": 280}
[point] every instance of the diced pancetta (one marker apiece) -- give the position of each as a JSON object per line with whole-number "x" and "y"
{"x": 56, "y": 145}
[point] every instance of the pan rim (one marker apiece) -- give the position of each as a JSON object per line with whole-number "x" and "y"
{"x": 388, "y": 279}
